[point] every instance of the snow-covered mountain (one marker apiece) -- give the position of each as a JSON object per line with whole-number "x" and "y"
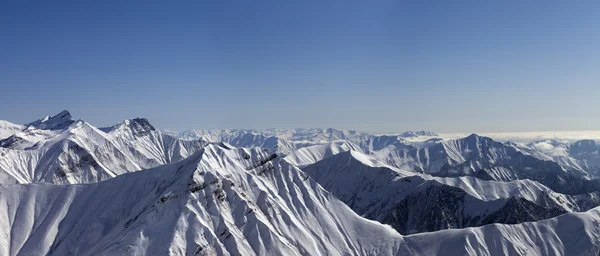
{"x": 426, "y": 152}
{"x": 63, "y": 151}
{"x": 228, "y": 201}
{"x": 286, "y": 141}
{"x": 245, "y": 138}
{"x": 7, "y": 129}
{"x": 219, "y": 201}
{"x": 412, "y": 134}
{"x": 486, "y": 159}
{"x": 312, "y": 154}
{"x": 422, "y": 203}
{"x": 313, "y": 135}
{"x": 582, "y": 156}
{"x": 568, "y": 234}
{"x": 70, "y": 188}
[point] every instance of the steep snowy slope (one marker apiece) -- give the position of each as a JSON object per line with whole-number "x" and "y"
{"x": 34, "y": 133}
{"x": 219, "y": 201}
{"x": 297, "y": 138}
{"x": 244, "y": 138}
{"x": 423, "y": 203}
{"x": 7, "y": 129}
{"x": 581, "y": 156}
{"x": 568, "y": 234}
{"x": 57, "y": 122}
{"x": 80, "y": 153}
{"x": 313, "y": 154}
{"x": 424, "y": 151}
{"x": 486, "y": 159}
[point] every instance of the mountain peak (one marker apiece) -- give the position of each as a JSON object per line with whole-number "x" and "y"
{"x": 410, "y": 134}
{"x": 57, "y": 122}
{"x": 473, "y": 135}
{"x": 138, "y": 126}
{"x": 142, "y": 122}
{"x": 475, "y": 138}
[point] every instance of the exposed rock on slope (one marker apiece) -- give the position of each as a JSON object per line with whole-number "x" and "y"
{"x": 420, "y": 203}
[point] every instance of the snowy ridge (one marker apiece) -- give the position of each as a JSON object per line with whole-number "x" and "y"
{"x": 206, "y": 204}
{"x": 487, "y": 159}
{"x": 56, "y": 122}
{"x": 82, "y": 153}
{"x": 568, "y": 234}
{"x": 140, "y": 191}
{"x": 213, "y": 203}
{"x": 581, "y": 157}
{"x": 313, "y": 135}
{"x": 286, "y": 141}
{"x": 313, "y": 154}
{"x": 7, "y": 129}
{"x": 403, "y": 199}
{"x": 410, "y": 134}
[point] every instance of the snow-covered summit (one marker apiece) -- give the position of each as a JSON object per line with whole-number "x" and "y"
{"x": 219, "y": 201}
{"x": 137, "y": 126}
{"x": 59, "y": 121}
{"x": 7, "y": 129}
{"x": 82, "y": 153}
{"x": 410, "y": 134}
{"x": 130, "y": 189}
{"x": 413, "y": 203}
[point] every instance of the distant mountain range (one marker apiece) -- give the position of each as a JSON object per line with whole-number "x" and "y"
{"x": 70, "y": 188}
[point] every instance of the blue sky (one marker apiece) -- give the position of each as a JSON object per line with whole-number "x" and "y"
{"x": 386, "y": 66}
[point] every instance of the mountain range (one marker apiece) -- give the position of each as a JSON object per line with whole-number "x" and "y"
{"x": 70, "y": 188}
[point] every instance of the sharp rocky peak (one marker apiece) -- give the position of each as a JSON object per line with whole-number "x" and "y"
{"x": 138, "y": 126}
{"x": 57, "y": 122}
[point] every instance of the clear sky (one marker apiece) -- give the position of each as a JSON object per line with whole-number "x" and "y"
{"x": 384, "y": 66}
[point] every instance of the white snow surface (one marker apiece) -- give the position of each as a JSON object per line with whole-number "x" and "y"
{"x": 132, "y": 190}
{"x": 568, "y": 234}
{"x": 7, "y": 129}
{"x": 82, "y": 153}
{"x": 219, "y": 201}
{"x": 312, "y": 154}
{"x": 376, "y": 186}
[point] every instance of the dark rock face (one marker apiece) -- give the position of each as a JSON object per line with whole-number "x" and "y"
{"x": 74, "y": 160}
{"x": 437, "y": 208}
{"x": 11, "y": 142}
{"x": 444, "y": 207}
{"x": 523, "y": 166}
{"x": 140, "y": 126}
{"x": 137, "y": 126}
{"x": 519, "y": 210}
{"x": 414, "y": 204}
